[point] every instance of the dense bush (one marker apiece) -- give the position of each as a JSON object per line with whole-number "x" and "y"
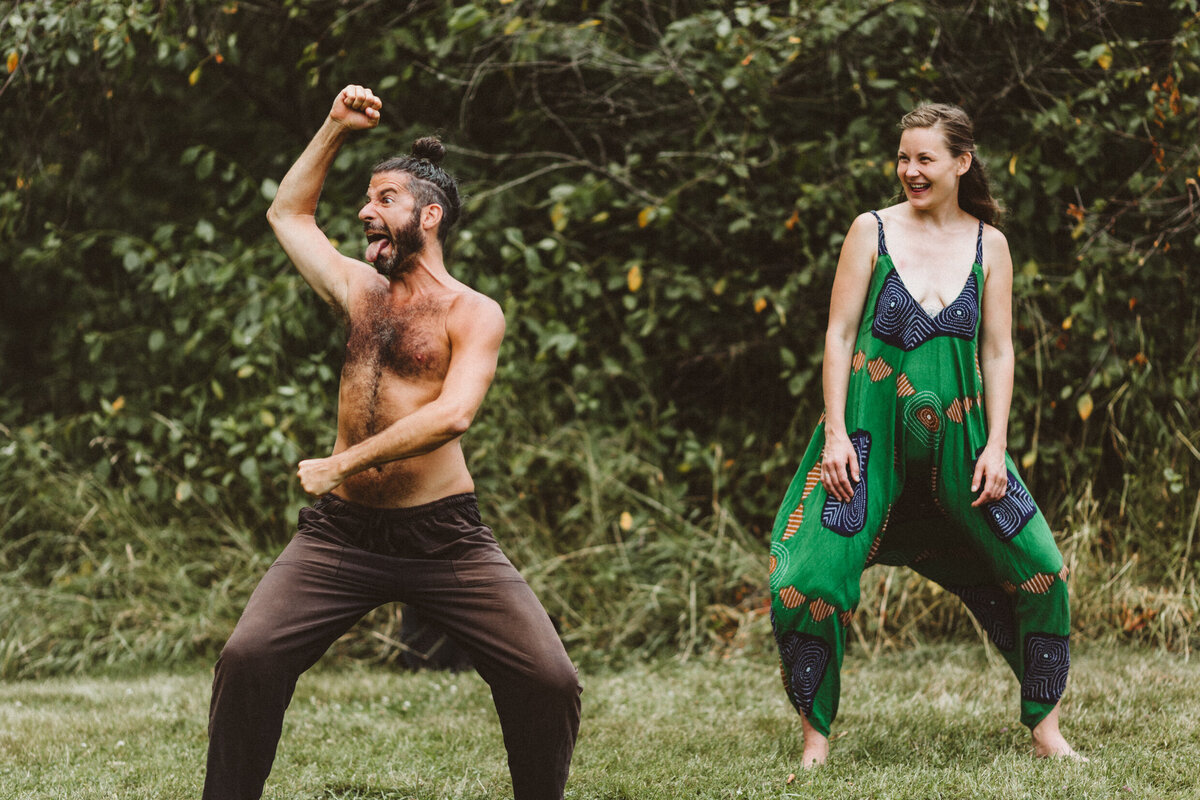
{"x": 657, "y": 196}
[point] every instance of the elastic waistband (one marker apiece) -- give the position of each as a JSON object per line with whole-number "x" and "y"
{"x": 331, "y": 502}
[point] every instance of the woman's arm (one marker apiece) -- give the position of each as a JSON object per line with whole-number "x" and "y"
{"x": 996, "y": 362}
{"x": 839, "y": 462}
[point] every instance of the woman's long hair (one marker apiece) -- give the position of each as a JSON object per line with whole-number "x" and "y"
{"x": 974, "y": 193}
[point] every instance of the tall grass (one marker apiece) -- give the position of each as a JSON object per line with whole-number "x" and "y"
{"x": 90, "y": 576}
{"x": 632, "y": 559}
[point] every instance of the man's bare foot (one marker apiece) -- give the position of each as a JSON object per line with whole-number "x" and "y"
{"x": 816, "y": 746}
{"x": 1048, "y": 741}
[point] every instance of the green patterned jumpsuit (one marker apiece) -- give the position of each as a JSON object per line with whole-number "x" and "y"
{"x": 915, "y": 416}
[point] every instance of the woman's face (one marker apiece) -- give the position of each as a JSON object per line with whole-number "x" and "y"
{"x": 927, "y": 171}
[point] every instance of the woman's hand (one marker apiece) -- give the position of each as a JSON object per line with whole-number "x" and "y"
{"x": 991, "y": 476}
{"x": 839, "y": 466}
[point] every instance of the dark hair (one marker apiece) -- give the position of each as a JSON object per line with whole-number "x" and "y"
{"x": 428, "y": 182}
{"x": 974, "y": 193}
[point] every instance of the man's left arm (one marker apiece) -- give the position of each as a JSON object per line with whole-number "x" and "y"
{"x": 475, "y": 326}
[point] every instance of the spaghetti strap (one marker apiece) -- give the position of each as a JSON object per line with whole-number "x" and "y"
{"x": 883, "y": 243}
{"x": 978, "y": 244}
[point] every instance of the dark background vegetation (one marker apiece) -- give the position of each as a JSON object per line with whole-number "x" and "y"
{"x": 658, "y": 192}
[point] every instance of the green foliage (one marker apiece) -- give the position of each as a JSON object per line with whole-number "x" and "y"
{"x": 656, "y": 195}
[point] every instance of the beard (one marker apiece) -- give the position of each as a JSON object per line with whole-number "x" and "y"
{"x": 408, "y": 243}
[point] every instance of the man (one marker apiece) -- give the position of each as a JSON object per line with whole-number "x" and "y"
{"x": 396, "y": 517}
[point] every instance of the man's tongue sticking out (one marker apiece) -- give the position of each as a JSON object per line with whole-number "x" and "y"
{"x": 375, "y": 247}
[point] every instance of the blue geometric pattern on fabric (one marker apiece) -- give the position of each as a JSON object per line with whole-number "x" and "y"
{"x": 1008, "y": 515}
{"x": 850, "y": 517}
{"x": 805, "y": 657}
{"x": 901, "y": 322}
{"x": 1047, "y": 661}
{"x": 882, "y": 244}
{"x": 979, "y": 245}
{"x": 994, "y": 609}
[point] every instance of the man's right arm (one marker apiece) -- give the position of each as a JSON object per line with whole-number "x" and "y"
{"x": 293, "y": 213}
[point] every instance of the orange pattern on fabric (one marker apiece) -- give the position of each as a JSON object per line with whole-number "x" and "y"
{"x": 859, "y": 359}
{"x": 879, "y": 369}
{"x": 811, "y": 480}
{"x": 794, "y": 521}
{"x": 904, "y": 387}
{"x": 820, "y": 610}
{"x": 790, "y": 597}
{"x": 1040, "y": 583}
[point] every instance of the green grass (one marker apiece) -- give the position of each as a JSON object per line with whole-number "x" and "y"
{"x": 933, "y": 722}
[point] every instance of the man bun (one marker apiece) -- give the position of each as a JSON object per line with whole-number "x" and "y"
{"x": 429, "y": 148}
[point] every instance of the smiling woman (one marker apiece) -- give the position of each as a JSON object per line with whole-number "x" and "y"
{"x": 918, "y": 378}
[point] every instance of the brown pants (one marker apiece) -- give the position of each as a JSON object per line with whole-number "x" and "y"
{"x": 346, "y": 560}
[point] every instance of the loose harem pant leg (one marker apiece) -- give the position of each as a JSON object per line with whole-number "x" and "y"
{"x": 1012, "y": 579}
{"x": 346, "y": 560}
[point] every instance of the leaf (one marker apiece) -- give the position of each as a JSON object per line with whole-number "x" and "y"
{"x": 558, "y": 216}
{"x": 194, "y": 76}
{"x": 634, "y": 277}
{"x": 13, "y": 61}
{"x": 760, "y": 305}
{"x": 1084, "y": 406}
{"x": 645, "y": 216}
{"x": 626, "y": 521}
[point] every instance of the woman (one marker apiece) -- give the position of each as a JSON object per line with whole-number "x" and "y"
{"x": 908, "y": 464}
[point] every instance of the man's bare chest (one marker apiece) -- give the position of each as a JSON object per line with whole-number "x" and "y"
{"x": 407, "y": 341}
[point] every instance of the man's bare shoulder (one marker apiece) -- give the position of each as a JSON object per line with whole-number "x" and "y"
{"x": 473, "y": 313}
{"x": 470, "y": 303}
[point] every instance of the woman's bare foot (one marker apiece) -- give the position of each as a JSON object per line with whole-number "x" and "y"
{"x": 1048, "y": 741}
{"x": 816, "y": 746}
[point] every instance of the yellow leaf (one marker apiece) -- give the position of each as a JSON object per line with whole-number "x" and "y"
{"x": 558, "y": 216}
{"x": 195, "y": 76}
{"x": 1029, "y": 459}
{"x": 591, "y": 23}
{"x": 1066, "y": 323}
{"x": 1105, "y": 59}
{"x": 13, "y": 61}
{"x": 118, "y": 404}
{"x": 719, "y": 287}
{"x": 513, "y": 25}
{"x": 1084, "y": 406}
{"x": 245, "y": 371}
{"x": 1012, "y": 165}
{"x": 268, "y": 419}
{"x": 634, "y": 277}
{"x": 760, "y": 304}
{"x": 645, "y": 216}
{"x": 626, "y": 521}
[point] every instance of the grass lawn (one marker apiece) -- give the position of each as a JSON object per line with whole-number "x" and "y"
{"x": 937, "y": 722}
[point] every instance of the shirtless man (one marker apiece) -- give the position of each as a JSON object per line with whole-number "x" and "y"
{"x": 396, "y": 517}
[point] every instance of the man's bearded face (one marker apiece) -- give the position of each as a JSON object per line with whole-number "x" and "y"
{"x": 394, "y": 252}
